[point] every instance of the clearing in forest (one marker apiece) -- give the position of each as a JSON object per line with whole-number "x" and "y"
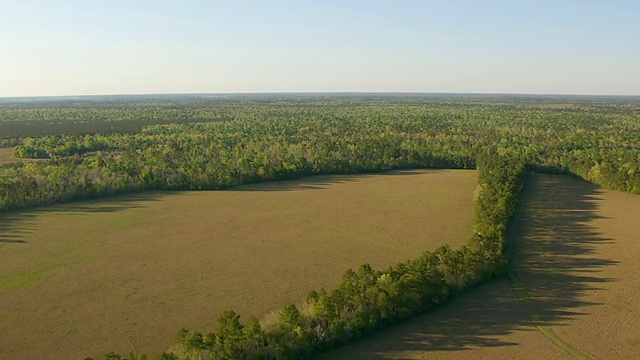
{"x": 126, "y": 273}
{"x": 576, "y": 254}
{"x": 6, "y": 156}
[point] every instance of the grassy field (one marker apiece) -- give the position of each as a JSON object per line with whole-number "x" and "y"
{"x": 126, "y": 273}
{"x": 576, "y": 255}
{"x": 579, "y": 258}
{"x": 6, "y": 155}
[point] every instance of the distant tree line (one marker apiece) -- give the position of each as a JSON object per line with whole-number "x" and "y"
{"x": 269, "y": 142}
{"x": 12, "y": 132}
{"x": 214, "y": 156}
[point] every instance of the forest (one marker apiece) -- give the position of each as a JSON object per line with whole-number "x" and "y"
{"x": 98, "y": 148}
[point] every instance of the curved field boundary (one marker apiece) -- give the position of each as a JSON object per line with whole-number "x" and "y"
{"x": 96, "y": 274}
{"x": 524, "y": 298}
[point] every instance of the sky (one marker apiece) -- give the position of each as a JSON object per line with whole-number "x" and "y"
{"x": 477, "y": 46}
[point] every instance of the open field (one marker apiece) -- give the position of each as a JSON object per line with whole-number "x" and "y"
{"x": 579, "y": 255}
{"x": 6, "y": 155}
{"x": 576, "y": 253}
{"x": 126, "y": 273}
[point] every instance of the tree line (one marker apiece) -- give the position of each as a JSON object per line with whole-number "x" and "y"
{"x": 264, "y": 142}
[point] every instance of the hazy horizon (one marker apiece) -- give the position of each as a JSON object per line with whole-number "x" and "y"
{"x": 320, "y": 93}
{"x": 75, "y": 48}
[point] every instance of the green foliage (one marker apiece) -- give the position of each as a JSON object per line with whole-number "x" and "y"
{"x": 29, "y": 152}
{"x": 272, "y": 140}
{"x": 166, "y": 356}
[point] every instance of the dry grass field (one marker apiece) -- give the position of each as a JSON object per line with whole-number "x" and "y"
{"x": 126, "y": 273}
{"x": 6, "y": 155}
{"x": 577, "y": 255}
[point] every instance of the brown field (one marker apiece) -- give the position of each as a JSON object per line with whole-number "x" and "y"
{"x": 577, "y": 253}
{"x": 126, "y": 273}
{"x": 6, "y": 155}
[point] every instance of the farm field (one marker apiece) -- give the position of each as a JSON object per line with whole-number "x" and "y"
{"x": 126, "y": 273}
{"x": 576, "y": 255}
{"x": 6, "y": 155}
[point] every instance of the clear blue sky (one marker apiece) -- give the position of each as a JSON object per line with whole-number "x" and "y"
{"x": 517, "y": 46}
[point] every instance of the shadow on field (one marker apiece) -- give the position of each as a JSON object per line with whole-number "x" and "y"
{"x": 481, "y": 317}
{"x": 319, "y": 182}
{"x": 554, "y": 251}
{"x": 15, "y": 226}
{"x": 105, "y": 205}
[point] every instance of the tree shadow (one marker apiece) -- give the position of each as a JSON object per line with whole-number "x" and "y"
{"x": 105, "y": 205}
{"x": 554, "y": 250}
{"x": 17, "y": 225}
{"x": 319, "y": 182}
{"x": 477, "y": 318}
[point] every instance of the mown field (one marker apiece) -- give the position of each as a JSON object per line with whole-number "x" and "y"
{"x": 6, "y": 155}
{"x": 576, "y": 257}
{"x": 127, "y": 272}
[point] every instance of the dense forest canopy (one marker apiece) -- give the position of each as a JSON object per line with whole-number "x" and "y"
{"x": 99, "y": 147}
{"x": 106, "y": 147}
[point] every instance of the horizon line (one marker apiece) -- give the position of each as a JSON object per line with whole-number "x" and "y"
{"x": 323, "y": 92}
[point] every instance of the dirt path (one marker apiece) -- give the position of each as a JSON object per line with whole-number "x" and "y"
{"x": 523, "y": 295}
